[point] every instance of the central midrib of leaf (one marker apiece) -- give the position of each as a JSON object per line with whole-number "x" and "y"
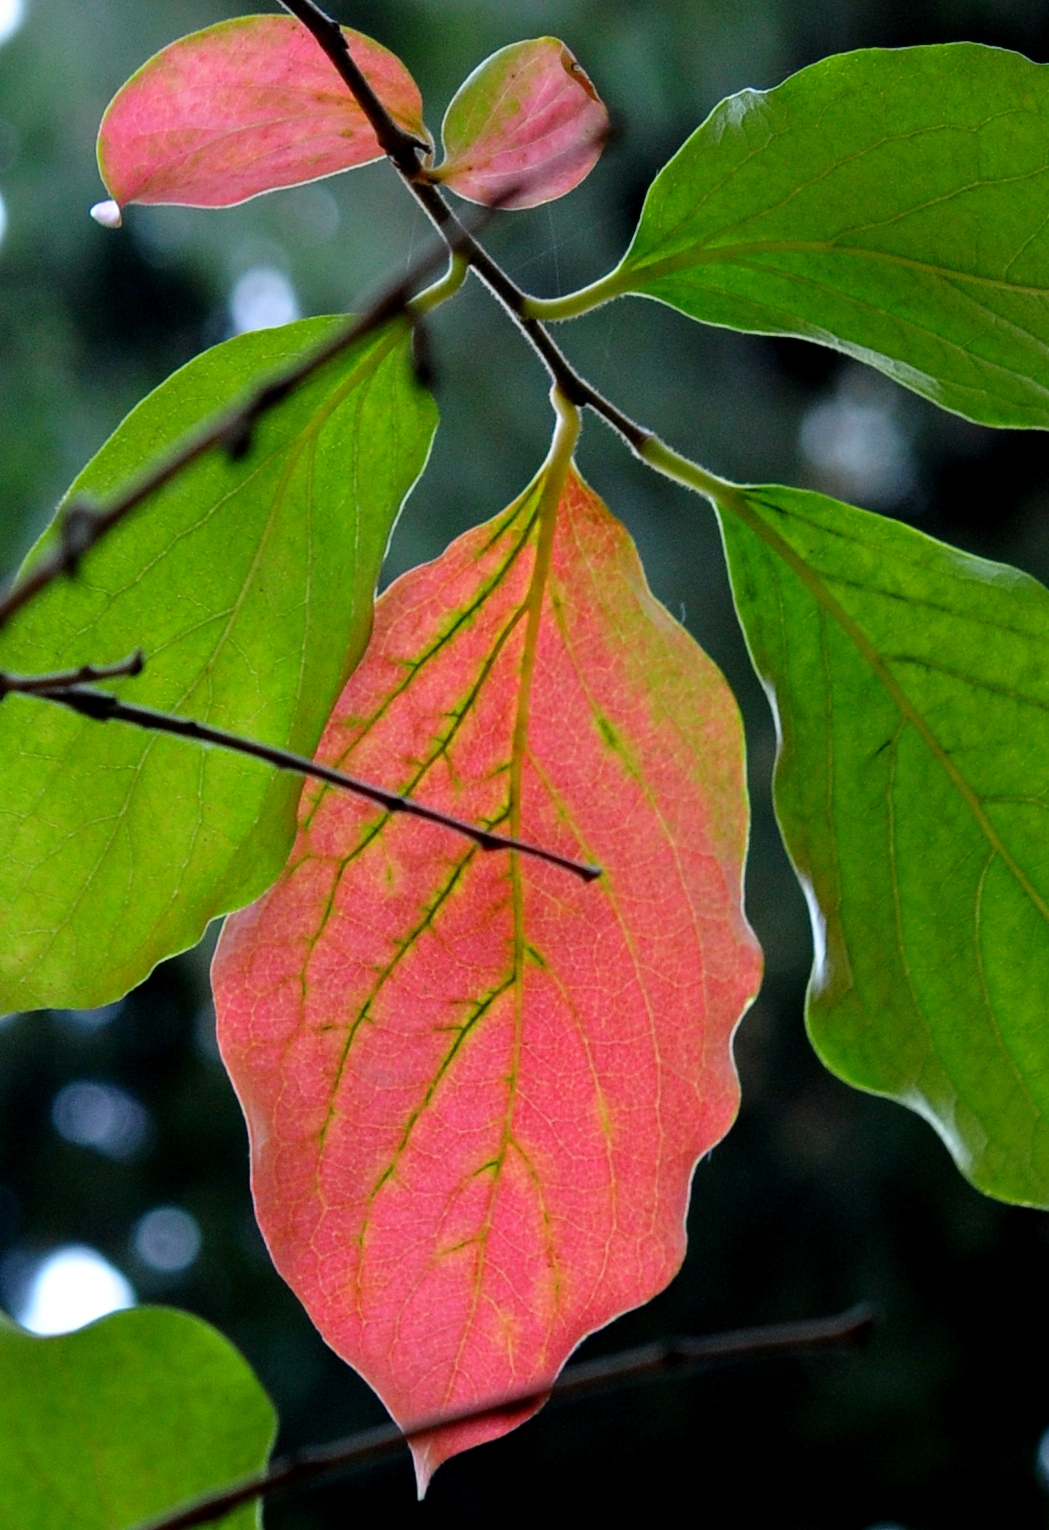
{"x": 536, "y": 514}
{"x": 667, "y": 265}
{"x": 441, "y": 744}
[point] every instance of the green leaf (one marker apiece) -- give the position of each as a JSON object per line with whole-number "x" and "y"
{"x": 891, "y": 204}
{"x": 912, "y": 693}
{"x": 250, "y": 587}
{"x": 115, "y": 1423}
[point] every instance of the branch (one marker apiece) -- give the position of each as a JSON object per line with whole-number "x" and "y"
{"x": 84, "y": 525}
{"x": 571, "y": 383}
{"x": 669, "y": 1357}
{"x": 402, "y": 149}
{"x": 100, "y": 706}
{"x": 87, "y": 674}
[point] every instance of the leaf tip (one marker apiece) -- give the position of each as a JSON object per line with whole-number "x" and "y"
{"x": 424, "y": 1466}
{"x": 108, "y": 214}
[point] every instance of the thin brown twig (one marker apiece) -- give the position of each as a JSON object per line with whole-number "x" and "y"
{"x": 403, "y": 150}
{"x": 86, "y": 674}
{"x": 669, "y": 1357}
{"x": 572, "y": 384}
{"x": 101, "y": 706}
{"x": 84, "y": 526}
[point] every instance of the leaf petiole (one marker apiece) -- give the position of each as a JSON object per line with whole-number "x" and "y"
{"x": 554, "y": 475}
{"x": 574, "y": 304}
{"x": 448, "y": 285}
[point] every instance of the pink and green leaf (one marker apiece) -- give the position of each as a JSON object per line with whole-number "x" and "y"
{"x": 477, "y": 1087}
{"x": 243, "y": 107}
{"x": 525, "y": 128}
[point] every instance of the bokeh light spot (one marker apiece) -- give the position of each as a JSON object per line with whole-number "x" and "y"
{"x": 93, "y": 1019}
{"x": 1041, "y": 1461}
{"x": 167, "y": 1240}
{"x": 100, "y": 1116}
{"x": 263, "y": 299}
{"x": 73, "y": 1287}
{"x": 857, "y": 445}
{"x": 12, "y": 14}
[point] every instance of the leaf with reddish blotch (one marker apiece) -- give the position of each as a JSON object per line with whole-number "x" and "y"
{"x": 244, "y": 107}
{"x": 476, "y": 1086}
{"x": 525, "y": 128}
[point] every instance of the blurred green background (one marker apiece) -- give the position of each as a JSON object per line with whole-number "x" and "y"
{"x": 118, "y": 1131}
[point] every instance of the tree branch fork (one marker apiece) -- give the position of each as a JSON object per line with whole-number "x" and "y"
{"x": 84, "y": 524}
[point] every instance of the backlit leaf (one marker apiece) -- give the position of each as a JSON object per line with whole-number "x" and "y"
{"x": 525, "y": 128}
{"x": 120, "y": 1421}
{"x": 243, "y": 107}
{"x": 912, "y": 692}
{"x": 892, "y": 204}
{"x": 476, "y": 1086}
{"x": 250, "y": 587}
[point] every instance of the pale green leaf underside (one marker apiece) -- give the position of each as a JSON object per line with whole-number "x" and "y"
{"x": 912, "y": 788}
{"x": 108, "y": 1426}
{"x": 250, "y": 588}
{"x": 892, "y": 204}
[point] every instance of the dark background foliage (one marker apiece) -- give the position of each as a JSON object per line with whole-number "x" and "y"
{"x": 819, "y": 1196}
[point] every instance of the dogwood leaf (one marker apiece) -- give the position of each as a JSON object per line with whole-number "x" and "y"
{"x": 477, "y": 1087}
{"x": 123, "y": 1420}
{"x": 249, "y": 585}
{"x": 243, "y": 107}
{"x": 891, "y": 204}
{"x": 912, "y": 788}
{"x": 525, "y": 128}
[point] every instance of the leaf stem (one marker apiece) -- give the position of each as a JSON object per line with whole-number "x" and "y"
{"x": 664, "y": 459}
{"x": 448, "y": 285}
{"x": 667, "y": 1357}
{"x": 574, "y": 304}
{"x": 554, "y": 475}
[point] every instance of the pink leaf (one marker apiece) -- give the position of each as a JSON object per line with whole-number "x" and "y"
{"x": 245, "y": 107}
{"x": 477, "y": 1088}
{"x": 525, "y": 128}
